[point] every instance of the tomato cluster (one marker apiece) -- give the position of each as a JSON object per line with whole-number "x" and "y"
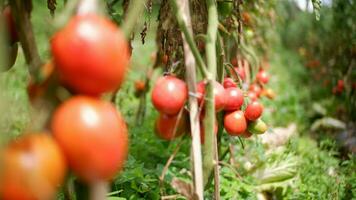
{"x": 90, "y": 136}
{"x": 241, "y": 114}
{"x": 11, "y": 46}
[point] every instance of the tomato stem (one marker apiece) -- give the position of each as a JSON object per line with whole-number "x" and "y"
{"x": 99, "y": 190}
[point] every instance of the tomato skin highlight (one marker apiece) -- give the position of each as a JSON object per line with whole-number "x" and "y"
{"x": 229, "y": 83}
{"x": 93, "y": 137}
{"x": 262, "y": 77}
{"x": 170, "y": 127}
{"x": 91, "y": 55}
{"x": 235, "y": 123}
{"x": 219, "y": 95}
{"x": 234, "y": 99}
{"x": 253, "y": 111}
{"x": 33, "y": 168}
{"x": 169, "y": 95}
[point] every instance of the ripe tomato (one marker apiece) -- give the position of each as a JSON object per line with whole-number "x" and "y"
{"x": 93, "y": 136}
{"x": 33, "y": 167}
{"x": 262, "y": 77}
{"x": 169, "y": 127}
{"x": 219, "y": 95}
{"x": 253, "y": 111}
{"x": 234, "y": 99}
{"x": 340, "y": 85}
{"x": 256, "y": 89}
{"x": 252, "y": 95}
{"x": 229, "y": 83}
{"x": 169, "y": 95}
{"x": 10, "y": 22}
{"x": 269, "y": 93}
{"x": 140, "y": 85}
{"x": 235, "y": 123}
{"x": 91, "y": 54}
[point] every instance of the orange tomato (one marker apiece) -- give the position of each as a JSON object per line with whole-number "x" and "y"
{"x": 33, "y": 168}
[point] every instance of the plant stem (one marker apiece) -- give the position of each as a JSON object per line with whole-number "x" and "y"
{"x": 25, "y": 32}
{"x": 189, "y": 38}
{"x": 210, "y": 146}
{"x": 193, "y": 103}
{"x": 133, "y": 14}
{"x": 98, "y": 190}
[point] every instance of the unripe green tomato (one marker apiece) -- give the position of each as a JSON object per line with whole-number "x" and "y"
{"x": 257, "y": 127}
{"x": 225, "y": 8}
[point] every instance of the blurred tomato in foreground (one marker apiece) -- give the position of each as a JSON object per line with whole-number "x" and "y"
{"x": 93, "y": 137}
{"x": 91, "y": 54}
{"x": 33, "y": 168}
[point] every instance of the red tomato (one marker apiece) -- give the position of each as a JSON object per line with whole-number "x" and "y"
{"x": 262, "y": 77}
{"x": 93, "y": 136}
{"x": 234, "y": 99}
{"x": 169, "y": 95}
{"x": 219, "y": 95}
{"x": 170, "y": 127}
{"x": 229, "y": 83}
{"x": 252, "y": 96}
{"x": 10, "y": 22}
{"x": 253, "y": 111}
{"x": 140, "y": 85}
{"x": 340, "y": 85}
{"x": 256, "y": 89}
{"x": 91, "y": 54}
{"x": 33, "y": 167}
{"x": 235, "y": 123}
